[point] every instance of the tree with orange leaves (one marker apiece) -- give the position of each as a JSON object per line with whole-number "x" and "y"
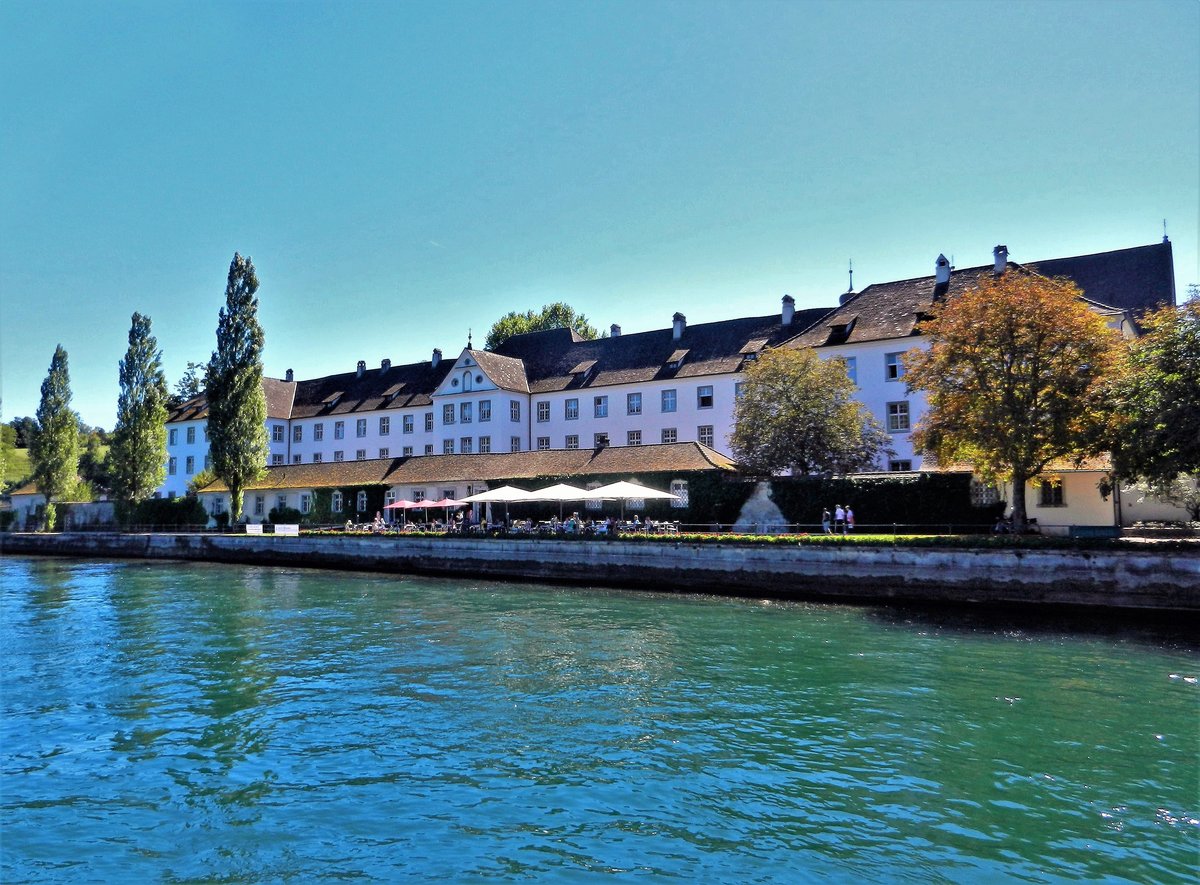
{"x": 1014, "y": 373}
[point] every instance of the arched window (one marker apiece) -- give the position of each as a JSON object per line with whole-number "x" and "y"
{"x": 466, "y": 380}
{"x": 679, "y": 487}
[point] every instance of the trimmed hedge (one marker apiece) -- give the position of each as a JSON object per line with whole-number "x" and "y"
{"x": 905, "y": 499}
{"x": 164, "y": 512}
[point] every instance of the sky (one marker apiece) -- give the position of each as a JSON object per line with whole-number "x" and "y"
{"x": 403, "y": 174}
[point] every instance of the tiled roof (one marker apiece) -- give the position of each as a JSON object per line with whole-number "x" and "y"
{"x": 683, "y": 457}
{"x": 1128, "y": 279}
{"x": 506, "y": 372}
{"x": 399, "y": 386}
{"x": 279, "y": 396}
{"x": 555, "y": 359}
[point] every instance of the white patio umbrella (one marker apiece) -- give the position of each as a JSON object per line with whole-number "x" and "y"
{"x": 561, "y": 492}
{"x": 502, "y": 495}
{"x": 627, "y": 491}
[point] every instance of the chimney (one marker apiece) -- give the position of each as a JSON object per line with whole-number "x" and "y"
{"x": 288, "y": 376}
{"x": 1000, "y": 253}
{"x": 384, "y": 366}
{"x": 614, "y": 331}
{"x": 941, "y": 271}
{"x": 362, "y": 367}
{"x": 789, "y": 309}
{"x": 437, "y": 356}
{"x": 679, "y": 323}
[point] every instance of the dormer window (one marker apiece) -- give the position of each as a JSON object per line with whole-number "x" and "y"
{"x": 675, "y": 360}
{"x": 839, "y": 333}
{"x": 332, "y": 400}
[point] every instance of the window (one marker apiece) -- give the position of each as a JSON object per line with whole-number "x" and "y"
{"x": 406, "y": 424}
{"x": 260, "y": 503}
{"x": 218, "y": 505}
{"x": 600, "y": 440}
{"x": 418, "y": 494}
{"x": 173, "y": 437}
{"x": 633, "y": 404}
{"x": 897, "y": 417}
{"x": 571, "y": 409}
{"x": 514, "y": 410}
{"x": 281, "y": 502}
{"x": 385, "y": 453}
{"x": 385, "y": 426}
{"x": 389, "y": 498}
{"x": 361, "y": 502}
{"x": 704, "y": 433}
{"x": 338, "y": 455}
{"x": 679, "y": 488}
{"x": 485, "y": 410}
{"x": 447, "y": 447}
{"x": 189, "y": 465}
{"x": 429, "y": 422}
{"x": 298, "y": 433}
{"x": 485, "y": 445}
{"x": 360, "y": 428}
{"x": 670, "y": 435}
{"x": 739, "y": 389}
{"x": 208, "y": 462}
{"x": 892, "y": 369}
{"x": 317, "y": 458}
{"x": 276, "y": 433}
{"x": 668, "y": 400}
{"x": 900, "y": 465}
{"x": 600, "y": 407}
{"x": 464, "y": 445}
{"x": 206, "y": 433}
{"x": 305, "y": 502}
{"x": 276, "y": 460}
{"x": 407, "y": 453}
{"x": 172, "y": 466}
{"x": 704, "y": 397}
{"x": 297, "y": 459}
{"x": 543, "y": 443}
{"x": 335, "y": 503}
{"x": 464, "y": 412}
{"x": 428, "y": 448}
{"x": 514, "y": 444}
{"x": 572, "y": 440}
{"x": 360, "y": 454}
{"x": 543, "y": 411}
{"x": 633, "y": 438}
{"x": 593, "y": 504}
{"x": 448, "y": 414}
{"x": 191, "y": 435}
{"x": 318, "y": 432}
{"x": 1050, "y": 493}
{"x": 339, "y": 429}
{"x": 851, "y": 367}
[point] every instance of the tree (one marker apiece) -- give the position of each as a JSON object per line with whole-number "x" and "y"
{"x": 237, "y": 407}
{"x": 95, "y": 466}
{"x": 137, "y": 459}
{"x": 24, "y": 428}
{"x": 1157, "y": 436}
{"x": 558, "y": 315}
{"x": 189, "y": 386}
{"x": 54, "y": 454}
{"x": 798, "y": 412}
{"x": 1014, "y": 372}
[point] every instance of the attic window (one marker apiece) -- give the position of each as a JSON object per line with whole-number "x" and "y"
{"x": 675, "y": 360}
{"x": 752, "y": 348}
{"x": 839, "y": 333}
{"x": 332, "y": 399}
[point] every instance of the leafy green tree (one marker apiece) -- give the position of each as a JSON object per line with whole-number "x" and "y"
{"x": 558, "y": 315}
{"x": 237, "y": 407}
{"x": 798, "y": 412}
{"x": 189, "y": 386}
{"x": 8, "y": 437}
{"x": 1157, "y": 400}
{"x": 54, "y": 453}
{"x": 1015, "y": 374}
{"x": 24, "y": 428}
{"x": 139, "y": 448}
{"x": 95, "y": 463}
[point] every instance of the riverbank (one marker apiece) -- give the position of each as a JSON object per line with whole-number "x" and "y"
{"x": 1150, "y": 580}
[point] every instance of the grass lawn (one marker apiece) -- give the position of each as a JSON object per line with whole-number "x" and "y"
{"x": 16, "y": 466}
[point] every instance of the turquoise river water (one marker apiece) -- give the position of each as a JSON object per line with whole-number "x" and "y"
{"x": 169, "y": 722}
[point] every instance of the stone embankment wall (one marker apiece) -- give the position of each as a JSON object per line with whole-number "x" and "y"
{"x": 1118, "y": 579}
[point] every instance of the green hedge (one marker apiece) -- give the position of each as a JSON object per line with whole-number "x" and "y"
{"x": 907, "y": 499}
{"x": 163, "y": 512}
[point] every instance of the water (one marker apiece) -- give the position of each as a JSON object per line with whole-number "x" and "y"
{"x": 186, "y": 722}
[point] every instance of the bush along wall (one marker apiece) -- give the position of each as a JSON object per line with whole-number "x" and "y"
{"x": 713, "y": 497}
{"x": 164, "y": 512}
{"x": 906, "y": 499}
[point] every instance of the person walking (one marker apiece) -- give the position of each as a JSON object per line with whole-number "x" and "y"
{"x": 839, "y": 519}
{"x": 825, "y": 520}
{"x": 849, "y": 521}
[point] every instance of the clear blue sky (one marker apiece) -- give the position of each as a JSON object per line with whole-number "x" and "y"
{"x": 403, "y": 172}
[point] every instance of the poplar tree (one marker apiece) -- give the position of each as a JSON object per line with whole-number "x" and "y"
{"x": 54, "y": 452}
{"x": 137, "y": 459}
{"x": 237, "y": 407}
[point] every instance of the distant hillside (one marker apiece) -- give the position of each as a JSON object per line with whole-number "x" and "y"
{"x": 16, "y": 466}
